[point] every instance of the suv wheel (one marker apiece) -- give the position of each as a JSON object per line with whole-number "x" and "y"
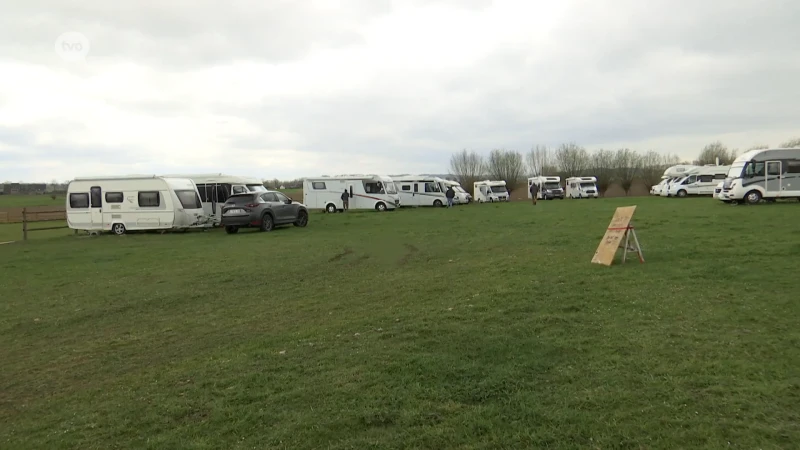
{"x": 302, "y": 219}
{"x": 267, "y": 223}
{"x": 231, "y": 230}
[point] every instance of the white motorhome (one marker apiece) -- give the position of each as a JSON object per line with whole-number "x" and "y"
{"x": 462, "y": 196}
{"x": 671, "y": 174}
{"x": 420, "y": 190}
{"x": 718, "y": 194}
{"x": 698, "y": 181}
{"x": 490, "y": 191}
{"x": 215, "y": 188}
{"x": 134, "y": 203}
{"x": 767, "y": 174}
{"x": 581, "y": 187}
{"x": 549, "y": 187}
{"x": 364, "y": 191}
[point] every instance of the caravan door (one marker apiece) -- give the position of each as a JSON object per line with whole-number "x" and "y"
{"x": 774, "y": 179}
{"x": 96, "y": 205}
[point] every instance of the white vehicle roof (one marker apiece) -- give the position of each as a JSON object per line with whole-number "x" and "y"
{"x": 767, "y": 153}
{"x": 678, "y": 170}
{"x": 707, "y": 170}
{"x": 582, "y": 179}
{"x": 492, "y": 183}
{"x": 203, "y": 178}
{"x": 417, "y": 178}
{"x": 349, "y": 177}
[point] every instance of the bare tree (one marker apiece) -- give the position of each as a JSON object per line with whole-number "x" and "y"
{"x": 467, "y": 168}
{"x": 715, "y": 150}
{"x": 601, "y": 165}
{"x": 627, "y": 164}
{"x": 539, "y": 160}
{"x": 791, "y": 143}
{"x": 572, "y": 160}
{"x": 506, "y": 165}
{"x": 653, "y": 165}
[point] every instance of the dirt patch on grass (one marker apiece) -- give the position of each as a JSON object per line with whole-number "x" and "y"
{"x": 338, "y": 256}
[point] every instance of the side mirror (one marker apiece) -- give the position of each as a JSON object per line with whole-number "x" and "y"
{"x": 288, "y": 201}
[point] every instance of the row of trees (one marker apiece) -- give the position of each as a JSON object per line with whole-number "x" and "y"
{"x": 623, "y": 166}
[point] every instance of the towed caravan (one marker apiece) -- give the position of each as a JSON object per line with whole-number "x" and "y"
{"x": 215, "y": 188}
{"x": 698, "y": 181}
{"x": 549, "y": 187}
{"x": 581, "y": 187}
{"x": 364, "y": 191}
{"x": 134, "y": 203}
{"x": 490, "y": 191}
{"x": 767, "y": 174}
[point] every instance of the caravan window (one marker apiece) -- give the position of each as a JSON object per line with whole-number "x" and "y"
{"x": 793, "y": 167}
{"x": 149, "y": 199}
{"x": 78, "y": 200}
{"x": 320, "y": 185}
{"x": 189, "y": 199}
{"x": 706, "y": 178}
{"x": 239, "y": 189}
{"x": 114, "y": 197}
{"x": 432, "y": 187}
{"x": 719, "y": 176}
{"x": 405, "y": 187}
{"x": 372, "y": 187}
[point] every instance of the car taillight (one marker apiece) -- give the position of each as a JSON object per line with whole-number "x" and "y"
{"x": 251, "y": 205}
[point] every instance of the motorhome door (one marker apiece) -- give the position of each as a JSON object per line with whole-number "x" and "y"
{"x": 96, "y": 204}
{"x": 351, "y": 189}
{"x": 773, "y": 180}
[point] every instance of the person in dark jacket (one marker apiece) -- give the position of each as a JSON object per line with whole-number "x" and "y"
{"x": 534, "y": 192}
{"x": 345, "y": 200}
{"x": 450, "y": 194}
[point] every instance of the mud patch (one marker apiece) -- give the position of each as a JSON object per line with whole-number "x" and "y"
{"x": 410, "y": 252}
{"x": 338, "y": 256}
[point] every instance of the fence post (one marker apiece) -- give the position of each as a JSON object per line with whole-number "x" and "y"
{"x": 24, "y": 224}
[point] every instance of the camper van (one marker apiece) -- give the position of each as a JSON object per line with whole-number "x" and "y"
{"x": 134, "y": 203}
{"x": 420, "y": 190}
{"x": 549, "y": 187}
{"x": 581, "y": 187}
{"x": 490, "y": 191}
{"x": 462, "y": 196}
{"x": 671, "y": 174}
{"x": 698, "y": 181}
{"x": 767, "y": 174}
{"x": 215, "y": 188}
{"x": 364, "y": 191}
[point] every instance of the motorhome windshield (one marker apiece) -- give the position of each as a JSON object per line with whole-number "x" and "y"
{"x": 499, "y": 189}
{"x": 459, "y": 189}
{"x": 552, "y": 185}
{"x": 189, "y": 199}
{"x": 587, "y": 185}
{"x": 256, "y": 188}
{"x": 390, "y": 188}
{"x": 736, "y": 170}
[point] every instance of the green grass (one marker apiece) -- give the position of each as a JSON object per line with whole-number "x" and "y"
{"x": 483, "y": 326}
{"x": 21, "y": 201}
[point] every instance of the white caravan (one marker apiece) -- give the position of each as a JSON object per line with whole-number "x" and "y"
{"x": 215, "y": 188}
{"x": 671, "y": 174}
{"x": 490, "y": 191}
{"x": 133, "y": 203}
{"x": 767, "y": 174}
{"x": 698, "y": 181}
{"x": 462, "y": 196}
{"x": 364, "y": 191}
{"x": 581, "y": 187}
{"x": 549, "y": 187}
{"x": 419, "y": 190}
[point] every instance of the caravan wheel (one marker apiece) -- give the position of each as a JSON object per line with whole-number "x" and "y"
{"x": 118, "y": 229}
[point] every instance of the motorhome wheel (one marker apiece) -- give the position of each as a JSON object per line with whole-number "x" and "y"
{"x": 331, "y": 208}
{"x": 118, "y": 229}
{"x": 753, "y": 197}
{"x": 266, "y": 223}
{"x": 437, "y": 203}
{"x": 302, "y": 219}
{"x": 681, "y": 193}
{"x": 381, "y": 206}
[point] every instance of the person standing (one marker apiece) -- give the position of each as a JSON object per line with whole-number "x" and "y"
{"x": 534, "y": 192}
{"x": 345, "y": 200}
{"x": 450, "y": 194}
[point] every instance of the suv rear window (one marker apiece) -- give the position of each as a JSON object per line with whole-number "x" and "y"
{"x": 242, "y": 199}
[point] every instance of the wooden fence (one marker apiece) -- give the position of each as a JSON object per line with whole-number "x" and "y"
{"x": 34, "y": 214}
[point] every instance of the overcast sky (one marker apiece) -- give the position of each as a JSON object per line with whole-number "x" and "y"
{"x": 279, "y": 88}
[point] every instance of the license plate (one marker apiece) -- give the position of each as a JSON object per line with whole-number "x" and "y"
{"x": 234, "y": 211}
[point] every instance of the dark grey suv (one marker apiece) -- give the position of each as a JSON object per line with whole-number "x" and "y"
{"x": 264, "y": 210}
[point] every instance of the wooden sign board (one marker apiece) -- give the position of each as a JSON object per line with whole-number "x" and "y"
{"x": 618, "y": 234}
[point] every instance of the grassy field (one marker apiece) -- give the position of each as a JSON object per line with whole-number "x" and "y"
{"x": 483, "y": 326}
